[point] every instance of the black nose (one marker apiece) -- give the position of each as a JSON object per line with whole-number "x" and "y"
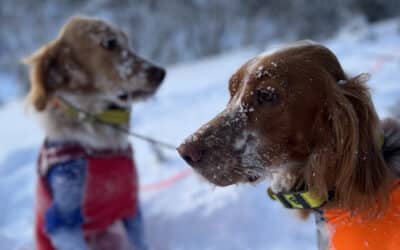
{"x": 155, "y": 74}
{"x": 190, "y": 153}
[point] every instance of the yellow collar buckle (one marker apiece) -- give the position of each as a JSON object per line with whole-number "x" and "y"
{"x": 298, "y": 199}
{"x": 111, "y": 116}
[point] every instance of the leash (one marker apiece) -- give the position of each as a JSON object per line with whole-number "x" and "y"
{"x": 145, "y": 138}
{"x": 166, "y": 182}
{"x": 110, "y": 119}
{"x": 115, "y": 118}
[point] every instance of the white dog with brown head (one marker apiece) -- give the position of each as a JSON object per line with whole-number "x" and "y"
{"x": 82, "y": 85}
{"x": 91, "y": 66}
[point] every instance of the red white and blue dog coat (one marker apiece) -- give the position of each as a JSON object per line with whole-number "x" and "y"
{"x": 82, "y": 195}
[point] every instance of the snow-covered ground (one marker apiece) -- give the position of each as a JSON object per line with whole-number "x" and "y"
{"x": 8, "y": 90}
{"x": 190, "y": 214}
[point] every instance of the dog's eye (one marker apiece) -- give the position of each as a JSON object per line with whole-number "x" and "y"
{"x": 267, "y": 95}
{"x": 110, "y": 43}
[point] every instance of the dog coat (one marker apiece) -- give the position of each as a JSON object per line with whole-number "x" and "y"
{"x": 82, "y": 193}
{"x": 356, "y": 232}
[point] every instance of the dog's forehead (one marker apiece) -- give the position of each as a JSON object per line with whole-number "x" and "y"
{"x": 91, "y": 29}
{"x": 270, "y": 71}
{"x": 258, "y": 69}
{"x": 286, "y": 47}
{"x": 277, "y": 64}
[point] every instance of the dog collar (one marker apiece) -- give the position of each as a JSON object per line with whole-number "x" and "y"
{"x": 306, "y": 199}
{"x": 298, "y": 199}
{"x": 117, "y": 116}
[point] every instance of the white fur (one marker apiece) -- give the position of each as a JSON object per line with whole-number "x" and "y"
{"x": 282, "y": 179}
{"x": 251, "y": 67}
{"x": 59, "y": 127}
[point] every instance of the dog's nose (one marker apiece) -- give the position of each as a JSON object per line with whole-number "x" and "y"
{"x": 190, "y": 153}
{"x": 155, "y": 74}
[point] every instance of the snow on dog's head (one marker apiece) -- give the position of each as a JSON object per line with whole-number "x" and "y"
{"x": 92, "y": 57}
{"x": 289, "y": 119}
{"x": 235, "y": 146}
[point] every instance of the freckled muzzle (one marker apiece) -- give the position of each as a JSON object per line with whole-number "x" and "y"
{"x": 154, "y": 77}
{"x": 217, "y": 150}
{"x": 151, "y": 78}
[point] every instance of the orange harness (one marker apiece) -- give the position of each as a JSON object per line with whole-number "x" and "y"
{"x": 355, "y": 233}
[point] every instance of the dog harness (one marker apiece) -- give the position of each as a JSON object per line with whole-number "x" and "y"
{"x": 357, "y": 231}
{"x": 351, "y": 231}
{"x": 83, "y": 192}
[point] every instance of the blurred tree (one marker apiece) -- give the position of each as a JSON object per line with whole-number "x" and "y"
{"x": 178, "y": 30}
{"x": 395, "y": 109}
{"x": 376, "y": 10}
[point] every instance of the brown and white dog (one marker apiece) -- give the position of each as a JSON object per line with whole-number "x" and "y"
{"x": 296, "y": 117}
{"x": 89, "y": 67}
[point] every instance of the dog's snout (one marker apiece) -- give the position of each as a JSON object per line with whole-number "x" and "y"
{"x": 190, "y": 152}
{"x": 155, "y": 74}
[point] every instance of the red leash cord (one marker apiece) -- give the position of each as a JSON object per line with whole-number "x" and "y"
{"x": 166, "y": 182}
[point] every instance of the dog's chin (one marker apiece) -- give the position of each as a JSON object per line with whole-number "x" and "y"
{"x": 224, "y": 180}
{"x": 140, "y": 95}
{"x": 221, "y": 182}
{"x": 127, "y": 98}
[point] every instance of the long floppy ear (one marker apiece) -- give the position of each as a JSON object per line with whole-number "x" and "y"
{"x": 40, "y": 62}
{"x": 347, "y": 158}
{"x": 52, "y": 67}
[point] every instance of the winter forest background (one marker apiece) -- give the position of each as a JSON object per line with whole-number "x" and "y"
{"x": 174, "y": 31}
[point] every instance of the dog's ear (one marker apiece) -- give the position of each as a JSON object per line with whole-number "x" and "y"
{"x": 52, "y": 67}
{"x": 347, "y": 158}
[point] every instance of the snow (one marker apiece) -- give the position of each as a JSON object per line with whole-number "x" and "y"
{"x": 191, "y": 214}
{"x": 8, "y": 87}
